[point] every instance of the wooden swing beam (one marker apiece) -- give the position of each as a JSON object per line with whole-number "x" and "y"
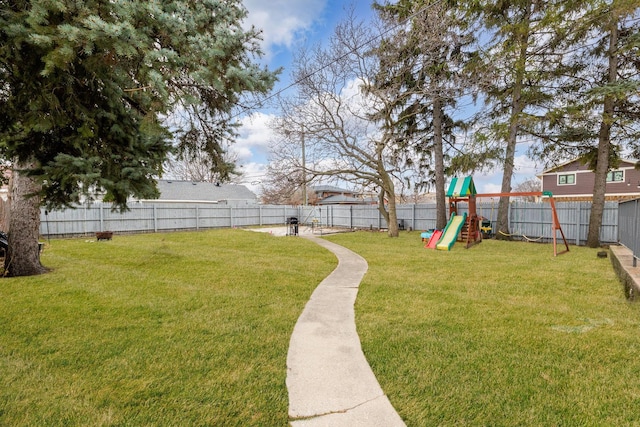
{"x": 555, "y": 225}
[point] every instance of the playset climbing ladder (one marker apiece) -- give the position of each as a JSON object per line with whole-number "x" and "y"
{"x": 464, "y": 190}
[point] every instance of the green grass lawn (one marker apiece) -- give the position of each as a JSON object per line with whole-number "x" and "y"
{"x": 192, "y": 329}
{"x": 181, "y": 329}
{"x": 502, "y": 334}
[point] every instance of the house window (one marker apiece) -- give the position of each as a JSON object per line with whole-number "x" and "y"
{"x": 615, "y": 176}
{"x": 567, "y": 179}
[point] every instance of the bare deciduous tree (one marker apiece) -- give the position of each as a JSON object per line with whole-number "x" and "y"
{"x": 329, "y": 119}
{"x": 196, "y": 165}
{"x": 284, "y": 185}
{"x": 527, "y": 186}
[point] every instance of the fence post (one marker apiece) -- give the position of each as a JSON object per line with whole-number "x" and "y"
{"x": 351, "y": 217}
{"x": 101, "y": 219}
{"x": 155, "y": 219}
{"x": 197, "y": 217}
{"x": 578, "y": 223}
{"x": 542, "y": 211}
{"x": 413, "y": 216}
{"x": 636, "y": 233}
{"x": 332, "y": 216}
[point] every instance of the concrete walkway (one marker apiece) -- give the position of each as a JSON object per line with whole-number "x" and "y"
{"x": 329, "y": 380}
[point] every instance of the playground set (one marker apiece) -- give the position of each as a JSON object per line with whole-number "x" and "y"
{"x": 469, "y": 227}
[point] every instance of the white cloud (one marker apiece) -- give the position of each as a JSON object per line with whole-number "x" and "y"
{"x": 525, "y": 168}
{"x": 491, "y": 181}
{"x": 252, "y": 176}
{"x": 282, "y": 20}
{"x": 254, "y": 138}
{"x": 491, "y": 188}
{"x": 488, "y": 183}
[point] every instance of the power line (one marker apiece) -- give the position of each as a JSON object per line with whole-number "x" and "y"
{"x": 335, "y": 60}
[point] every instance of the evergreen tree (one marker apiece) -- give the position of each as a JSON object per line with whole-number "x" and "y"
{"x": 597, "y": 118}
{"x": 84, "y": 86}
{"x": 422, "y": 73}
{"x": 618, "y": 91}
{"x": 520, "y": 65}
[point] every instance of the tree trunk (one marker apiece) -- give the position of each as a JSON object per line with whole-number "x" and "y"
{"x": 604, "y": 146}
{"x": 393, "y": 218}
{"x": 389, "y": 213}
{"x": 23, "y": 257}
{"x": 441, "y": 206}
{"x": 502, "y": 223}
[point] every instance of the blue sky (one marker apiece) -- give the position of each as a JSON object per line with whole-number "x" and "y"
{"x": 288, "y": 25}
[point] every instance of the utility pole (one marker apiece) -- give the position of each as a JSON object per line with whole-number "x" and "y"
{"x": 304, "y": 173}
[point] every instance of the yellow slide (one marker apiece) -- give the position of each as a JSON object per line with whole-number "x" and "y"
{"x": 451, "y": 231}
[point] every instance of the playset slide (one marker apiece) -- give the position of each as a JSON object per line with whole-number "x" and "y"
{"x": 433, "y": 240}
{"x": 450, "y": 233}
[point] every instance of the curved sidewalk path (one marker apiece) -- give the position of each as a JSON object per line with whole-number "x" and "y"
{"x": 329, "y": 380}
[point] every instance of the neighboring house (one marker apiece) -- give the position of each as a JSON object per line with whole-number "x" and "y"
{"x": 574, "y": 181}
{"x": 192, "y": 191}
{"x": 330, "y": 195}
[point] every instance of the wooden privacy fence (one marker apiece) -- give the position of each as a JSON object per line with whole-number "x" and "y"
{"x": 527, "y": 220}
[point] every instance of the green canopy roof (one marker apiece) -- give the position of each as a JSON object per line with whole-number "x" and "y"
{"x": 461, "y": 187}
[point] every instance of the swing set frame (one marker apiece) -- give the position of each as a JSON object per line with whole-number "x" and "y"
{"x": 555, "y": 223}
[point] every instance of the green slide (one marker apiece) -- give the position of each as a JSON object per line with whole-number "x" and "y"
{"x": 451, "y": 231}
